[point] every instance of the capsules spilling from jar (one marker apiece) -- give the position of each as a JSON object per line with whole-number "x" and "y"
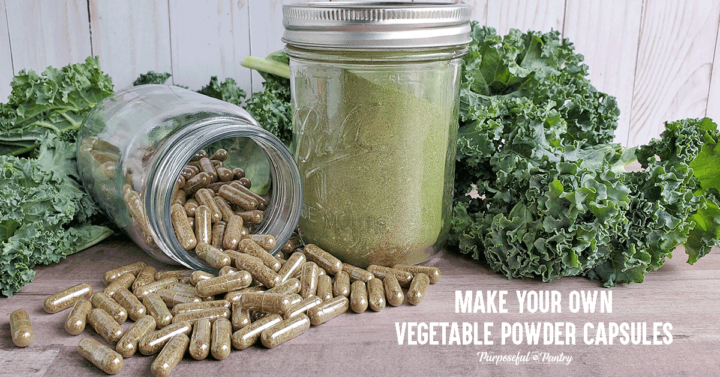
{"x": 247, "y": 303}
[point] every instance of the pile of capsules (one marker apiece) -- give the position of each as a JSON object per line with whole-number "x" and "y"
{"x": 265, "y": 298}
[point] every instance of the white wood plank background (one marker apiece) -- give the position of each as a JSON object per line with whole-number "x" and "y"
{"x": 656, "y": 57}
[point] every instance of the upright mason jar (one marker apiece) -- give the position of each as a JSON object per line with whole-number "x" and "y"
{"x": 375, "y": 90}
{"x": 134, "y": 146}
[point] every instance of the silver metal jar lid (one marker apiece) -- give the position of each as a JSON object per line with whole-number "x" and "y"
{"x": 376, "y": 25}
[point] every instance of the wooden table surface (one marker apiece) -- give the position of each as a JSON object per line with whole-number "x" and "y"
{"x": 367, "y": 344}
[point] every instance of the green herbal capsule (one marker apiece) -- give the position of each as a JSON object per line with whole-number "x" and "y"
{"x": 172, "y": 298}
{"x": 154, "y": 342}
{"x": 240, "y": 316}
{"x": 67, "y": 298}
{"x": 196, "y": 183}
{"x": 102, "y": 301}
{"x": 170, "y": 356}
{"x": 221, "y": 338}
{"x": 285, "y": 330}
{"x": 227, "y": 270}
{"x": 179, "y": 197}
{"x": 124, "y": 281}
{"x": 293, "y": 264}
{"x": 328, "y": 310}
{"x": 224, "y": 208}
{"x": 134, "y": 269}
{"x": 243, "y": 185}
{"x": 154, "y": 287}
{"x": 203, "y": 225}
{"x": 233, "y": 232}
{"x": 101, "y": 356}
{"x": 266, "y": 241}
{"x": 417, "y": 289}
{"x": 223, "y": 284}
{"x": 381, "y": 272}
{"x": 182, "y": 288}
{"x": 248, "y": 335}
{"x": 191, "y": 207}
{"x": 105, "y": 325}
{"x": 218, "y": 233}
{"x": 292, "y": 244}
{"x": 266, "y": 302}
{"x": 393, "y": 292}
{"x": 294, "y": 299}
{"x": 303, "y": 306}
{"x": 357, "y": 273}
{"x": 205, "y": 198}
{"x": 202, "y": 153}
{"x": 146, "y": 276}
{"x": 258, "y": 270}
{"x": 224, "y": 174}
{"x": 180, "y": 182}
{"x": 235, "y": 196}
{"x": 77, "y": 319}
{"x": 289, "y": 287}
{"x": 239, "y": 173}
{"x": 433, "y": 273}
{"x": 342, "y": 284}
{"x": 21, "y": 328}
{"x": 207, "y": 167}
{"x": 376, "y": 294}
{"x": 235, "y": 296}
{"x": 198, "y": 276}
{"x": 358, "y": 297}
{"x": 157, "y": 309}
{"x": 211, "y": 314}
{"x": 249, "y": 247}
{"x": 197, "y": 306}
{"x": 220, "y": 155}
{"x": 252, "y": 217}
{"x": 200, "y": 340}
{"x": 131, "y": 303}
{"x": 181, "y": 225}
{"x": 325, "y": 287}
{"x": 308, "y": 279}
{"x": 323, "y": 259}
{"x": 213, "y": 256}
{"x": 128, "y": 344}
{"x": 177, "y": 274}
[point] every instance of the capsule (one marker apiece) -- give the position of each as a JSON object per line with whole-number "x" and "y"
{"x": 289, "y": 287}
{"x": 325, "y": 287}
{"x": 235, "y": 296}
{"x": 266, "y": 241}
{"x": 157, "y": 309}
{"x": 187, "y": 173}
{"x": 224, "y": 207}
{"x": 358, "y": 297}
{"x": 285, "y": 330}
{"x": 393, "y": 293}
{"x": 308, "y": 279}
{"x": 303, "y": 306}
{"x": 128, "y": 344}
{"x": 323, "y": 259}
{"x": 172, "y": 297}
{"x": 135, "y": 309}
{"x": 181, "y": 225}
{"x": 146, "y": 276}
{"x": 134, "y": 269}
{"x": 249, "y": 247}
{"x": 240, "y": 316}
{"x": 233, "y": 233}
{"x": 223, "y": 284}
{"x": 266, "y": 302}
{"x": 237, "y": 197}
{"x": 205, "y": 198}
{"x": 196, "y": 183}
{"x": 180, "y": 182}
{"x": 101, "y": 356}
{"x": 21, "y": 328}
{"x": 227, "y": 270}
{"x": 102, "y": 301}
{"x": 239, "y": 173}
{"x": 200, "y": 154}
{"x": 212, "y": 255}
{"x": 224, "y": 174}
{"x": 243, "y": 185}
{"x": 197, "y": 306}
{"x": 154, "y": 287}
{"x": 248, "y": 335}
{"x": 191, "y": 221}
{"x": 198, "y": 276}
{"x": 328, "y": 310}
{"x": 200, "y": 340}
{"x": 211, "y": 314}
{"x": 75, "y": 323}
{"x": 341, "y": 286}
{"x": 380, "y": 272}
{"x": 221, "y": 338}
{"x": 207, "y": 167}
{"x": 433, "y": 273}
{"x": 218, "y": 233}
{"x": 154, "y": 342}
{"x": 417, "y": 289}
{"x": 170, "y": 356}
{"x": 105, "y": 325}
{"x": 376, "y": 294}
{"x": 220, "y": 155}
{"x": 258, "y": 270}
{"x": 124, "y": 281}
{"x": 177, "y": 274}
{"x": 252, "y": 217}
{"x": 67, "y": 298}
{"x": 179, "y": 197}
{"x": 191, "y": 206}
{"x": 357, "y": 273}
{"x": 203, "y": 224}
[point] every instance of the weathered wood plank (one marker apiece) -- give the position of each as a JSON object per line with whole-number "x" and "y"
{"x": 6, "y": 67}
{"x": 713, "y": 106}
{"x": 130, "y": 38}
{"x": 209, "y": 38}
{"x": 541, "y": 15}
{"x": 48, "y": 33}
{"x": 674, "y": 64}
{"x": 606, "y": 33}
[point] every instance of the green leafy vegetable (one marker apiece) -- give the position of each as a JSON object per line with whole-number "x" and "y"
{"x": 152, "y": 78}
{"x": 227, "y": 90}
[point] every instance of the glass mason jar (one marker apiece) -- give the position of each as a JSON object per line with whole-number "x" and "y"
{"x": 134, "y": 145}
{"x": 375, "y": 90}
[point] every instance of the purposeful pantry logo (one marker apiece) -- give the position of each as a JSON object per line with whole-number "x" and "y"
{"x": 535, "y": 357}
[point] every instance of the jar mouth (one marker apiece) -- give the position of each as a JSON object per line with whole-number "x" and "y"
{"x": 282, "y": 214}
{"x": 374, "y": 56}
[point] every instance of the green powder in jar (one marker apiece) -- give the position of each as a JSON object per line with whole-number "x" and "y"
{"x": 375, "y": 163}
